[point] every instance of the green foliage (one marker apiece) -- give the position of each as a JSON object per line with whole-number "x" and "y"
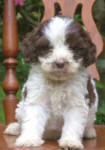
{"x": 101, "y": 113}
{"x": 22, "y": 70}
{"x": 29, "y": 16}
{"x": 2, "y": 96}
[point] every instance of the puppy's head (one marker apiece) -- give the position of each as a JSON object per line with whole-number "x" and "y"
{"x": 61, "y": 46}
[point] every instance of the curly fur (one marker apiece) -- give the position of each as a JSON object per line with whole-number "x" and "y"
{"x": 57, "y": 102}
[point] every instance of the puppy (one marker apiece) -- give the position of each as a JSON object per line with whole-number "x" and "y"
{"x": 59, "y": 99}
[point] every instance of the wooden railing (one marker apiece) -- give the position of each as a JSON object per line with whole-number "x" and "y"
{"x": 10, "y": 43}
{"x": 10, "y": 51}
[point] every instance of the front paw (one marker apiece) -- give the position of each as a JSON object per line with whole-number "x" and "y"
{"x": 13, "y": 129}
{"x": 90, "y": 133}
{"x": 26, "y": 141}
{"x": 70, "y": 144}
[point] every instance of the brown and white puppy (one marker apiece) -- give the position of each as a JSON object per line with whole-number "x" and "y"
{"x": 59, "y": 99}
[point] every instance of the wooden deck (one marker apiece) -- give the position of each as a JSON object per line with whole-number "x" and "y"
{"x": 7, "y": 142}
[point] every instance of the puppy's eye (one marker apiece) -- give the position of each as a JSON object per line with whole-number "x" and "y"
{"x": 50, "y": 47}
{"x": 47, "y": 47}
{"x": 75, "y": 48}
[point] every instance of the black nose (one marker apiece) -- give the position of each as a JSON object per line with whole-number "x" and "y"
{"x": 60, "y": 64}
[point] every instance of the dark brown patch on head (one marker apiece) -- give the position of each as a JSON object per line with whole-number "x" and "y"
{"x": 25, "y": 92}
{"x": 80, "y": 43}
{"x": 35, "y": 44}
{"x": 91, "y": 95}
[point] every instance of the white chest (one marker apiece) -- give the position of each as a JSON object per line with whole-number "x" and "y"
{"x": 58, "y": 100}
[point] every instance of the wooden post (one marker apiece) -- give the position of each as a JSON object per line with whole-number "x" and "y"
{"x": 10, "y": 51}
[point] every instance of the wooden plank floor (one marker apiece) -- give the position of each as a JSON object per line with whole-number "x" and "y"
{"x": 7, "y": 142}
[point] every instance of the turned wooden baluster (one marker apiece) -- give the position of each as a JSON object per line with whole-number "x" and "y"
{"x": 10, "y": 51}
{"x": 68, "y": 8}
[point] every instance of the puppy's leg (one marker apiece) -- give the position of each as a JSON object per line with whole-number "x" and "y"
{"x": 33, "y": 125}
{"x": 72, "y": 132}
{"x": 90, "y": 130}
{"x": 13, "y": 129}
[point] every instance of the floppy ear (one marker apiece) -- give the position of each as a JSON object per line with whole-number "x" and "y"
{"x": 35, "y": 44}
{"x": 81, "y": 44}
{"x": 91, "y": 57}
{"x": 89, "y": 49}
{"x": 28, "y": 48}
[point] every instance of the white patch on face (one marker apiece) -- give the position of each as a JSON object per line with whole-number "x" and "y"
{"x": 56, "y": 30}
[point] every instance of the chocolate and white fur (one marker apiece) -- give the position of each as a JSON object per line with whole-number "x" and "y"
{"x": 59, "y": 99}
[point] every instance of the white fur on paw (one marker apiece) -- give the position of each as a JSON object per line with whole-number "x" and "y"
{"x": 24, "y": 141}
{"x": 13, "y": 129}
{"x": 90, "y": 133}
{"x": 70, "y": 144}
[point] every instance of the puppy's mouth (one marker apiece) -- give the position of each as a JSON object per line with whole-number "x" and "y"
{"x": 58, "y": 75}
{"x": 59, "y": 71}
